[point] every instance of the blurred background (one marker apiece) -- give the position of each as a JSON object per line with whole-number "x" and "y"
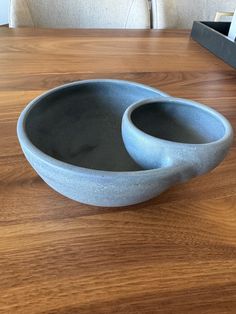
{"x": 4, "y": 11}
{"x": 163, "y": 13}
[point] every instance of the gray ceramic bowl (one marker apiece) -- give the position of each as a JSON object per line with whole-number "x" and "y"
{"x": 71, "y": 136}
{"x": 176, "y": 133}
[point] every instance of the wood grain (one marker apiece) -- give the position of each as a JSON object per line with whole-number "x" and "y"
{"x": 174, "y": 254}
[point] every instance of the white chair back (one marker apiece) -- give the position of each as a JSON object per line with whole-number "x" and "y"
{"x": 182, "y": 13}
{"x": 80, "y": 13}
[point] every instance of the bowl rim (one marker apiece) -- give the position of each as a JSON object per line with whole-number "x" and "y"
{"x": 228, "y": 130}
{"x": 45, "y": 158}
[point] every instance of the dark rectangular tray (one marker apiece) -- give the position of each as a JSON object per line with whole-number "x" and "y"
{"x": 214, "y": 37}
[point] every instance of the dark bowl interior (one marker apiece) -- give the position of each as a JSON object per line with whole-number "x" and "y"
{"x": 81, "y": 124}
{"x": 178, "y": 122}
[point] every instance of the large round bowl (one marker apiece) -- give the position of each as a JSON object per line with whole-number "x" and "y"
{"x": 71, "y": 136}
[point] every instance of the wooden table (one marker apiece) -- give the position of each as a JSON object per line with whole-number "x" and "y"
{"x": 174, "y": 254}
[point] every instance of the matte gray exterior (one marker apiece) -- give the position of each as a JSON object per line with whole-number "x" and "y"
{"x": 72, "y": 137}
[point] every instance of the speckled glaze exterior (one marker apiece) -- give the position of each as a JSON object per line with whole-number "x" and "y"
{"x": 188, "y": 159}
{"x": 71, "y": 136}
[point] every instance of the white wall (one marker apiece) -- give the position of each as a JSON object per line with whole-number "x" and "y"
{"x": 4, "y": 10}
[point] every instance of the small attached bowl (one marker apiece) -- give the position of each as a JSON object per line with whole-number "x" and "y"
{"x": 180, "y": 133}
